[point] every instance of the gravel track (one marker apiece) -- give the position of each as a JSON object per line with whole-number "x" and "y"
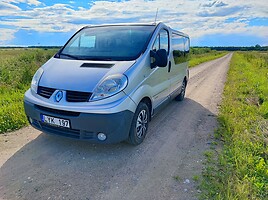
{"x": 38, "y": 166}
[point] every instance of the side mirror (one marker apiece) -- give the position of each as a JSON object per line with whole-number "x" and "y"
{"x": 159, "y": 58}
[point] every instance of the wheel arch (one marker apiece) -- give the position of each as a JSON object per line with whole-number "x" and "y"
{"x": 148, "y": 102}
{"x": 186, "y": 80}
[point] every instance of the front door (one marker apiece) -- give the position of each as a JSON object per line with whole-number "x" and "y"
{"x": 159, "y": 79}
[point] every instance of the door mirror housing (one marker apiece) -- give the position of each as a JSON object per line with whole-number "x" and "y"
{"x": 158, "y": 58}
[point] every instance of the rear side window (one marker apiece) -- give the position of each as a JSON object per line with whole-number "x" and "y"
{"x": 187, "y": 48}
{"x": 181, "y": 48}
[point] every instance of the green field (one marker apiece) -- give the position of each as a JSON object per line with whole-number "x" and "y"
{"x": 201, "y": 55}
{"x": 238, "y": 166}
{"x": 17, "y": 67}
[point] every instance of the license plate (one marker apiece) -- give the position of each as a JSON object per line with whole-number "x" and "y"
{"x": 55, "y": 121}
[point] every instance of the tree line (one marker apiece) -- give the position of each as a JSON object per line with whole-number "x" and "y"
{"x": 251, "y": 48}
{"x": 194, "y": 49}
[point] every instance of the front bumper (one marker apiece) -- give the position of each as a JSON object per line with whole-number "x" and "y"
{"x": 84, "y": 126}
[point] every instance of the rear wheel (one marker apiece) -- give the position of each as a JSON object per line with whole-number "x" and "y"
{"x": 180, "y": 97}
{"x": 139, "y": 124}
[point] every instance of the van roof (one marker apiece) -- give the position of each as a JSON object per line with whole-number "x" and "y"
{"x": 124, "y": 24}
{"x": 138, "y": 24}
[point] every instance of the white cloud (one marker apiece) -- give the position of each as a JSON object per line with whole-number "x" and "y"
{"x": 29, "y": 2}
{"x": 34, "y": 2}
{"x": 7, "y": 7}
{"x": 196, "y": 17}
{"x": 6, "y": 35}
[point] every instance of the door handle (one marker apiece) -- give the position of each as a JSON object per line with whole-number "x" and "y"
{"x": 169, "y": 66}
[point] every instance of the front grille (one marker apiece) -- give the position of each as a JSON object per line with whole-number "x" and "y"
{"x": 58, "y": 112}
{"x": 45, "y": 92}
{"x": 74, "y": 96}
{"x": 71, "y": 96}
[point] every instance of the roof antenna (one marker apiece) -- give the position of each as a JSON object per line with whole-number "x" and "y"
{"x": 156, "y": 16}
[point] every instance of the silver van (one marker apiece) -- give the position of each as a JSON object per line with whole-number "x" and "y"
{"x": 105, "y": 84}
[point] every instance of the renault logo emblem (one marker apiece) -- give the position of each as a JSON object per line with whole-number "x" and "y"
{"x": 59, "y": 96}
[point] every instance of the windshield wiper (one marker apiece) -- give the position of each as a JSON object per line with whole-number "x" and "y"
{"x": 99, "y": 58}
{"x": 87, "y": 58}
{"x": 70, "y": 56}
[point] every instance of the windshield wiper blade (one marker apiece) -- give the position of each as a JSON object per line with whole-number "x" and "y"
{"x": 70, "y": 56}
{"x": 87, "y": 58}
{"x": 99, "y": 58}
{"x": 107, "y": 59}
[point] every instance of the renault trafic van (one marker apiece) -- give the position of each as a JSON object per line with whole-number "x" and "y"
{"x": 105, "y": 84}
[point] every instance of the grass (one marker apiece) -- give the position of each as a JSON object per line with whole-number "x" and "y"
{"x": 197, "y": 59}
{"x": 239, "y": 170}
{"x": 17, "y": 67}
{"x": 196, "y": 178}
{"x": 177, "y": 178}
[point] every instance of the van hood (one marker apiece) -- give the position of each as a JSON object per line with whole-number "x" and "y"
{"x": 79, "y": 75}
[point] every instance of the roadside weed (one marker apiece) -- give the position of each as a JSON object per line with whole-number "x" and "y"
{"x": 240, "y": 171}
{"x": 199, "y": 56}
{"x": 196, "y": 178}
{"x": 177, "y": 178}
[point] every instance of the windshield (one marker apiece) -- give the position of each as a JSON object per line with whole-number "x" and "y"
{"x": 108, "y": 43}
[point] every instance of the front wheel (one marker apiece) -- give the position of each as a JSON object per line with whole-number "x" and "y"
{"x": 180, "y": 97}
{"x": 139, "y": 125}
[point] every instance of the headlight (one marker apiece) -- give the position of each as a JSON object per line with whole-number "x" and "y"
{"x": 110, "y": 86}
{"x": 36, "y": 78}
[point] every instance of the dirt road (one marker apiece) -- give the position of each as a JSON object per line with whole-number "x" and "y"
{"x": 39, "y": 166}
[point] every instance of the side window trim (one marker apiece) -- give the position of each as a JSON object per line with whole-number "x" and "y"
{"x": 157, "y": 38}
{"x": 168, "y": 39}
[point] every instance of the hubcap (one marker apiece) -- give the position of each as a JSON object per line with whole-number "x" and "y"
{"x": 142, "y": 122}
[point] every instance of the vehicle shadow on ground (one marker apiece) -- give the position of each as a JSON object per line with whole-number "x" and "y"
{"x": 63, "y": 162}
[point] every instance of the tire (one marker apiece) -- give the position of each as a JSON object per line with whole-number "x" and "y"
{"x": 139, "y": 125}
{"x": 180, "y": 97}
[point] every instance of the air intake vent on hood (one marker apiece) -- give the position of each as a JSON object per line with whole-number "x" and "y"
{"x": 97, "y": 65}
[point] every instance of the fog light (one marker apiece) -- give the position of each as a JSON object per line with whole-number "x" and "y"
{"x": 31, "y": 120}
{"x": 101, "y": 136}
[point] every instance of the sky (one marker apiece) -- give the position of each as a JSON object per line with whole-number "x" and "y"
{"x": 207, "y": 22}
